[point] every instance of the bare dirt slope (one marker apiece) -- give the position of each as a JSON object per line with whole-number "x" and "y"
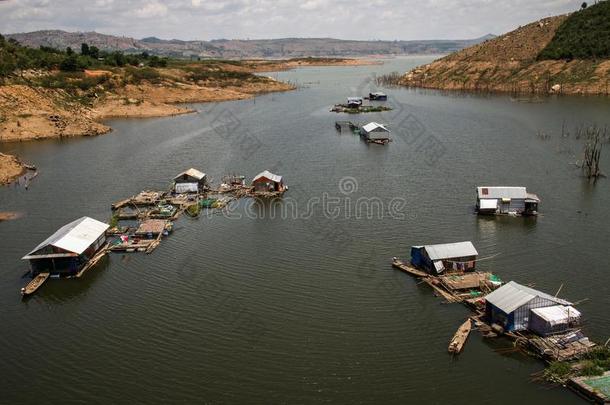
{"x": 509, "y": 63}
{"x": 10, "y": 168}
{"x": 33, "y": 113}
{"x": 28, "y": 113}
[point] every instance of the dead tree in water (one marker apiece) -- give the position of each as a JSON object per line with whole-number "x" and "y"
{"x": 592, "y": 152}
{"x": 390, "y": 79}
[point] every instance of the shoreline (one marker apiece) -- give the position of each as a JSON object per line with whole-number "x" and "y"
{"x": 11, "y": 168}
{"x": 262, "y": 66}
{"x": 30, "y": 113}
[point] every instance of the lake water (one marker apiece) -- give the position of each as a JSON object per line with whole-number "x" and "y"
{"x": 297, "y": 302}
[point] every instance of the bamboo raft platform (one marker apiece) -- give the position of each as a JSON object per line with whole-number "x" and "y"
{"x": 132, "y": 246}
{"x": 456, "y": 287}
{"x": 564, "y": 347}
{"x": 459, "y": 339}
{"x": 35, "y": 284}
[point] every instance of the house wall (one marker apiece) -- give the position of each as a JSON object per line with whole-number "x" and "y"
{"x": 449, "y": 263}
{"x": 520, "y": 318}
{"x": 378, "y": 134}
{"x": 265, "y": 186}
{"x": 63, "y": 266}
{"x": 515, "y": 205}
{"x": 544, "y": 328}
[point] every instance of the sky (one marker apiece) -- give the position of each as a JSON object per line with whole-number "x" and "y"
{"x": 262, "y": 19}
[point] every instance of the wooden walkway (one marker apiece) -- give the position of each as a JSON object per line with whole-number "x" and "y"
{"x": 94, "y": 260}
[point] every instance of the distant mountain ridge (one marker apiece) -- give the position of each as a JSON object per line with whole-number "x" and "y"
{"x": 232, "y": 49}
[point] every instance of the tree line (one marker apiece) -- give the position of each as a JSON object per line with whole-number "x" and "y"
{"x": 15, "y": 57}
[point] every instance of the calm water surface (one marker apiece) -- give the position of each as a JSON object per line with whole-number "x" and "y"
{"x": 278, "y": 309}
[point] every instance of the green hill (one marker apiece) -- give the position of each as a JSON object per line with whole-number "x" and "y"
{"x": 583, "y": 35}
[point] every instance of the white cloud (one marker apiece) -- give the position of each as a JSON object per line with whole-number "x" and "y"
{"x": 350, "y": 19}
{"x": 152, "y": 9}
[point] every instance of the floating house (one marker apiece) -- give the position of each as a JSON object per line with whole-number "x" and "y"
{"x": 512, "y": 307}
{"x": 437, "y": 259}
{"x": 190, "y": 181}
{"x": 506, "y": 200}
{"x": 66, "y": 251}
{"x": 378, "y": 96}
{"x": 267, "y": 182}
{"x": 375, "y": 132}
{"x": 354, "y": 102}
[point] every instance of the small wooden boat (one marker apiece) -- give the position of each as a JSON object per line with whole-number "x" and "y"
{"x": 35, "y": 284}
{"x": 404, "y": 266}
{"x": 459, "y": 339}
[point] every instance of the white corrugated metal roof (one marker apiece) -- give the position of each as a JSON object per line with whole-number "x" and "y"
{"x": 488, "y": 204}
{"x": 450, "y": 250}
{"x": 267, "y": 174}
{"x": 512, "y": 295}
{"x": 76, "y": 236}
{"x": 533, "y": 197}
{"x": 501, "y": 192}
{"x": 558, "y": 314}
{"x": 192, "y": 173}
{"x": 371, "y": 126}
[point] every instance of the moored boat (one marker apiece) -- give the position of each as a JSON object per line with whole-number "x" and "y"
{"x": 459, "y": 339}
{"x": 407, "y": 268}
{"x": 35, "y": 284}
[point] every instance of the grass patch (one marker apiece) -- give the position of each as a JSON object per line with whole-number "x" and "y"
{"x": 558, "y": 372}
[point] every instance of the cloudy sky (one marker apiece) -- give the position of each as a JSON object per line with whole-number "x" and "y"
{"x": 212, "y": 19}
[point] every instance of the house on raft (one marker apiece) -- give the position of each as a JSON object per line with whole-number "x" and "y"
{"x": 515, "y": 307}
{"x": 375, "y": 132}
{"x": 190, "y": 181}
{"x": 354, "y": 102}
{"x": 66, "y": 251}
{"x": 507, "y": 201}
{"x": 447, "y": 257}
{"x": 267, "y": 182}
{"x": 378, "y": 96}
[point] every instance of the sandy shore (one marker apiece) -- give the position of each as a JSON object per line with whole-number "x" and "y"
{"x": 281, "y": 65}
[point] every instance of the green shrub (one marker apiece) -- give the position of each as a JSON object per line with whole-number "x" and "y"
{"x": 590, "y": 368}
{"x": 583, "y": 35}
{"x": 557, "y": 371}
{"x": 137, "y": 75}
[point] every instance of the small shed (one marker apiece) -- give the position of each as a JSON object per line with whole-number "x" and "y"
{"x": 69, "y": 248}
{"x": 510, "y": 306}
{"x": 378, "y": 96}
{"x": 354, "y": 102}
{"x": 374, "y": 131}
{"x": 190, "y": 181}
{"x": 436, "y": 259}
{"x": 267, "y": 182}
{"x": 552, "y": 320}
{"x": 506, "y": 200}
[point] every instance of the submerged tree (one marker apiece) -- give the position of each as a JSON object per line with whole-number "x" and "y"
{"x": 593, "y": 148}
